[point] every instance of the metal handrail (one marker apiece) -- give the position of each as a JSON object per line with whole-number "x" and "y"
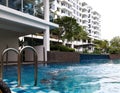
{"x": 20, "y": 61}
{"x": 2, "y": 58}
{"x": 35, "y": 59}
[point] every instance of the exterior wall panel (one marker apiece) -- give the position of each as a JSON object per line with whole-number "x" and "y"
{"x": 56, "y": 56}
{"x": 9, "y": 39}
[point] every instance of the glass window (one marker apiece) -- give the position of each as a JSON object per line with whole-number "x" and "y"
{"x": 39, "y": 9}
{"x": 28, "y": 6}
{"x": 58, "y": 1}
{"x": 52, "y": 6}
{"x": 3, "y": 2}
{"x": 15, "y": 4}
{"x": 57, "y": 9}
{"x": 63, "y": 11}
{"x": 84, "y": 41}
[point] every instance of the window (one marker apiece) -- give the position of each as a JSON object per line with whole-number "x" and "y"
{"x": 84, "y": 41}
{"x": 3, "y": 2}
{"x": 79, "y": 8}
{"x": 58, "y": 1}
{"x": 52, "y": 6}
{"x": 73, "y": 4}
{"x": 89, "y": 21}
{"x": 89, "y": 16}
{"x": 74, "y": 11}
{"x": 80, "y": 20}
{"x": 69, "y": 6}
{"x": 69, "y": 13}
{"x": 89, "y": 11}
{"x": 79, "y": 14}
{"x": 58, "y": 16}
{"x": 89, "y": 26}
{"x": 63, "y": 11}
{"x": 15, "y": 4}
{"x": 58, "y": 9}
{"x": 89, "y": 31}
{"x": 63, "y": 4}
{"x": 28, "y": 7}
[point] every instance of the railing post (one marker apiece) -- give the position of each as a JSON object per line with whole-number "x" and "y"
{"x": 2, "y": 58}
{"x": 35, "y": 59}
{"x": 19, "y": 71}
{"x": 19, "y": 62}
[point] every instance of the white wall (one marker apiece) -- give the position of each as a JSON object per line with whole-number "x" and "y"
{"x": 8, "y": 39}
{"x": 29, "y": 54}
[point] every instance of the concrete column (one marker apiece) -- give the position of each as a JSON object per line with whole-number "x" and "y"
{"x": 47, "y": 39}
{"x": 46, "y": 42}
{"x": 46, "y": 10}
{"x": 7, "y": 3}
{"x": 64, "y": 42}
{"x": 46, "y": 32}
{"x": 72, "y": 45}
{"x": 21, "y": 5}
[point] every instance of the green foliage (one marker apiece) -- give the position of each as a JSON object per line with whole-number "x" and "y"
{"x": 115, "y": 42}
{"x": 97, "y": 51}
{"x": 85, "y": 51}
{"x": 115, "y": 45}
{"x": 61, "y": 48}
{"x": 102, "y": 46}
{"x": 114, "y": 50}
{"x": 80, "y": 34}
{"x": 69, "y": 29}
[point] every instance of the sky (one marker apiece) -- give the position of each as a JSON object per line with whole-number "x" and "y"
{"x": 110, "y": 17}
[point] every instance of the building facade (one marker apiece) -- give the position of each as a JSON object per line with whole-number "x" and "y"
{"x": 84, "y": 15}
{"x": 81, "y": 11}
{"x": 23, "y": 17}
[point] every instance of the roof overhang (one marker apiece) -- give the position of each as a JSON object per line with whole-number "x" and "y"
{"x": 13, "y": 20}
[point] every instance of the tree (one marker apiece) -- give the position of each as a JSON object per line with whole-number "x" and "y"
{"x": 115, "y": 45}
{"x": 102, "y": 46}
{"x": 69, "y": 29}
{"x": 115, "y": 42}
{"x": 81, "y": 34}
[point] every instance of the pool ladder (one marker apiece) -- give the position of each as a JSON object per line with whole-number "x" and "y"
{"x": 20, "y": 53}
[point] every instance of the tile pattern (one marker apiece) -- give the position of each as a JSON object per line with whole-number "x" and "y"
{"x": 26, "y": 88}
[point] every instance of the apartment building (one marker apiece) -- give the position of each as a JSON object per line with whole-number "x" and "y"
{"x": 84, "y": 15}
{"x": 23, "y": 17}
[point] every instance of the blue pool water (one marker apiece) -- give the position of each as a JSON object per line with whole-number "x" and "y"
{"x": 95, "y": 76}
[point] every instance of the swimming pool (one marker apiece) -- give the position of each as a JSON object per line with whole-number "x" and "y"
{"x": 95, "y": 76}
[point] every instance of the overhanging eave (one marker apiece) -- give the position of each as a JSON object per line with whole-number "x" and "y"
{"x": 22, "y": 20}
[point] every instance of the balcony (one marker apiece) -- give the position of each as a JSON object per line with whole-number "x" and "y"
{"x": 66, "y": 8}
{"x": 67, "y": 1}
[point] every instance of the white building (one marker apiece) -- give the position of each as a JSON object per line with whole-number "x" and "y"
{"x": 85, "y": 16}
{"x": 19, "y": 18}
